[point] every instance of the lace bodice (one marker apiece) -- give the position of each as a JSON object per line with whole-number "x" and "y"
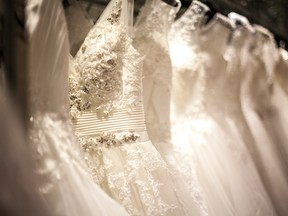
{"x": 191, "y": 82}
{"x": 187, "y": 65}
{"x": 155, "y": 20}
{"x": 108, "y": 70}
{"x": 151, "y": 31}
{"x": 183, "y": 29}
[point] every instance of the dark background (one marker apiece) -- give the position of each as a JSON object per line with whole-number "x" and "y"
{"x": 272, "y": 14}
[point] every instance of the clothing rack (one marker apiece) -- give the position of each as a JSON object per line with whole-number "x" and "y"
{"x": 250, "y": 9}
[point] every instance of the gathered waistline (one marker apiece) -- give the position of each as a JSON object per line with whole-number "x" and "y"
{"x": 95, "y": 123}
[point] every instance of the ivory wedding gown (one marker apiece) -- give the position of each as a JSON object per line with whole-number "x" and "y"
{"x": 64, "y": 183}
{"x": 107, "y": 111}
{"x": 151, "y": 40}
{"x": 202, "y": 125}
{"x": 260, "y": 106}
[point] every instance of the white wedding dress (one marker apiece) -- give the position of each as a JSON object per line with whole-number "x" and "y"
{"x": 260, "y": 101}
{"x": 62, "y": 175}
{"x": 107, "y": 111}
{"x": 151, "y": 40}
{"x": 201, "y": 124}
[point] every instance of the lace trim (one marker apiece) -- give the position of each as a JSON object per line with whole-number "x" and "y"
{"x": 155, "y": 17}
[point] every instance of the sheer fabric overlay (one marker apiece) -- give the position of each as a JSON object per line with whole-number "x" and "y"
{"x": 107, "y": 111}
{"x": 263, "y": 103}
{"x": 201, "y": 120}
{"x": 62, "y": 174}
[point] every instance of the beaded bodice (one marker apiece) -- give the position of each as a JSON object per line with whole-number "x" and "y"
{"x": 108, "y": 70}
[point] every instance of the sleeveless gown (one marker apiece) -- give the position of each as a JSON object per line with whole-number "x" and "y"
{"x": 62, "y": 175}
{"x": 227, "y": 175}
{"x": 260, "y": 102}
{"x": 107, "y": 112}
{"x": 151, "y": 40}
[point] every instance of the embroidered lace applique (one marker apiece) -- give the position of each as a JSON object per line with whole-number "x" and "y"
{"x": 116, "y": 12}
{"x": 53, "y": 147}
{"x": 107, "y": 140}
{"x": 120, "y": 178}
{"x": 105, "y": 77}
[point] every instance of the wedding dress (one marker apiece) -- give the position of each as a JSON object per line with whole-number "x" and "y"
{"x": 19, "y": 194}
{"x": 151, "y": 40}
{"x": 225, "y": 170}
{"x": 62, "y": 175}
{"x": 107, "y": 111}
{"x": 263, "y": 116}
{"x": 234, "y": 121}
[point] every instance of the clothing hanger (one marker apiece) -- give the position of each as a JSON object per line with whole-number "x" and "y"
{"x": 171, "y": 2}
{"x": 211, "y": 13}
{"x": 241, "y": 21}
{"x": 225, "y": 7}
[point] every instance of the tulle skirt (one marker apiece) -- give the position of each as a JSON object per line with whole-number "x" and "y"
{"x": 227, "y": 176}
{"x": 63, "y": 180}
{"x": 129, "y": 168}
